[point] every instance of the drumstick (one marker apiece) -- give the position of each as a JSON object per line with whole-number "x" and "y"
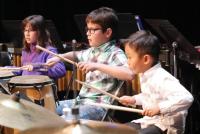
{"x": 11, "y": 68}
{"x": 103, "y": 92}
{"x": 57, "y": 55}
{"x": 115, "y": 107}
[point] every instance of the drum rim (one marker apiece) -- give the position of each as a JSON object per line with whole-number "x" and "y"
{"x": 6, "y": 77}
{"x": 30, "y": 84}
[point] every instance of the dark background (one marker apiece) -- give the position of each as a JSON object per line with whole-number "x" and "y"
{"x": 183, "y": 15}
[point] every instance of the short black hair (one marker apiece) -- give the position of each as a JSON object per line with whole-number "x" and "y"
{"x": 144, "y": 42}
{"x": 105, "y": 17}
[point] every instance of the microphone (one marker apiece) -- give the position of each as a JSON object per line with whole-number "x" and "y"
{"x": 174, "y": 44}
{"x": 139, "y": 22}
{"x": 74, "y": 43}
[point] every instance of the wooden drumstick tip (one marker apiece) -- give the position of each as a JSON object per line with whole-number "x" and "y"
{"x": 115, "y": 107}
{"x": 102, "y": 91}
{"x": 57, "y": 55}
{"x": 99, "y": 90}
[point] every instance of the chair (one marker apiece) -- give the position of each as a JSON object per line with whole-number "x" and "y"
{"x": 109, "y": 113}
{"x": 123, "y": 88}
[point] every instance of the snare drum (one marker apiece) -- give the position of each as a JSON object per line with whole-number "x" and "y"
{"x": 36, "y": 87}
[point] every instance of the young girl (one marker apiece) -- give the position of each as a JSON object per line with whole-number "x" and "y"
{"x": 33, "y": 60}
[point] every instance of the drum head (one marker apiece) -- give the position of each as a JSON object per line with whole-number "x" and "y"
{"x": 28, "y": 80}
{"x": 4, "y": 74}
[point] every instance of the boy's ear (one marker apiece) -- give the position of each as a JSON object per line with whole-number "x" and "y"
{"x": 108, "y": 32}
{"x": 147, "y": 59}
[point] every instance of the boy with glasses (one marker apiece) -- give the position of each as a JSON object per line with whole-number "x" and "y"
{"x": 105, "y": 64}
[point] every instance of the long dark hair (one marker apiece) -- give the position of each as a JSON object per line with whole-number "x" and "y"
{"x": 37, "y": 23}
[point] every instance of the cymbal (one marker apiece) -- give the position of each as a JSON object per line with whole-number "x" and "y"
{"x": 22, "y": 114}
{"x": 83, "y": 127}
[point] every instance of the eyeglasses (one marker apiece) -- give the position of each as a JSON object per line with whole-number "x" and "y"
{"x": 92, "y": 30}
{"x": 29, "y": 30}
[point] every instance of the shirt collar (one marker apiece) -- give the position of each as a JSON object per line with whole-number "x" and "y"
{"x": 149, "y": 72}
{"x": 104, "y": 47}
{"x": 32, "y": 47}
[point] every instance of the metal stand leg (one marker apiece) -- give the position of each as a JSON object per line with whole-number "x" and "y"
{"x": 40, "y": 102}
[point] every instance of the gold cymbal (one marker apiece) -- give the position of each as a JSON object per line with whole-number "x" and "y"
{"x": 83, "y": 127}
{"x": 22, "y": 114}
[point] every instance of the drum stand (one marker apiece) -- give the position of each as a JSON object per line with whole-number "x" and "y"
{"x": 55, "y": 90}
{"x": 3, "y": 85}
{"x": 37, "y": 87}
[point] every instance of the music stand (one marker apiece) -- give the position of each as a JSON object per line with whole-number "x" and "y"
{"x": 170, "y": 34}
{"x": 11, "y": 32}
{"x": 127, "y": 25}
{"x": 55, "y": 37}
{"x": 174, "y": 41}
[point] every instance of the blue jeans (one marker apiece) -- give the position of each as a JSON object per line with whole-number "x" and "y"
{"x": 85, "y": 111}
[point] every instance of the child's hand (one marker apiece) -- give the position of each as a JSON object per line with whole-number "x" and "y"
{"x": 87, "y": 66}
{"x": 28, "y": 67}
{"x": 127, "y": 100}
{"x": 50, "y": 62}
{"x": 151, "y": 110}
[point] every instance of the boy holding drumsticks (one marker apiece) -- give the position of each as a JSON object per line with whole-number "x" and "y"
{"x": 164, "y": 100}
{"x": 103, "y": 63}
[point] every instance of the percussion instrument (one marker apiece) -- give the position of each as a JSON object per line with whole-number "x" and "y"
{"x": 36, "y": 87}
{"x": 21, "y": 114}
{"x": 83, "y": 127}
{"x": 5, "y": 75}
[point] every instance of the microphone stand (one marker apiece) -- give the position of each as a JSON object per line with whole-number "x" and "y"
{"x": 75, "y": 108}
{"x": 174, "y": 46}
{"x": 71, "y": 83}
{"x": 139, "y": 22}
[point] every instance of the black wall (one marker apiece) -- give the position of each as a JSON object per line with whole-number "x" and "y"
{"x": 184, "y": 15}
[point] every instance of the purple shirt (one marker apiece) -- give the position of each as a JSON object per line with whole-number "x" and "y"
{"x": 37, "y": 59}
